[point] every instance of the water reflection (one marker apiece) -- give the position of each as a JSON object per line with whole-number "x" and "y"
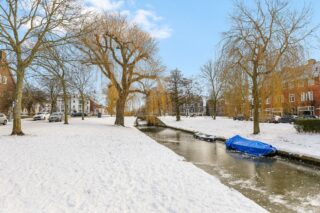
{"x": 276, "y": 184}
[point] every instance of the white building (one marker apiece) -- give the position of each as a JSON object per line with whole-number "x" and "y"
{"x": 74, "y": 104}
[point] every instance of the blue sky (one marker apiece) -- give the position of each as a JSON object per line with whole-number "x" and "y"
{"x": 187, "y": 30}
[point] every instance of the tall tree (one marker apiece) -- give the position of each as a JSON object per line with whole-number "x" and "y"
{"x": 125, "y": 54}
{"x": 81, "y": 81}
{"x": 213, "y": 72}
{"x": 176, "y": 86}
{"x": 32, "y": 96}
{"x": 57, "y": 62}
{"x": 51, "y": 85}
{"x": 23, "y": 27}
{"x": 262, "y": 38}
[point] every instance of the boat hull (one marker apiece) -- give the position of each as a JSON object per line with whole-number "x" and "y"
{"x": 251, "y": 147}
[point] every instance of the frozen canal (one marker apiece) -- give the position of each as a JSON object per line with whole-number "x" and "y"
{"x": 276, "y": 184}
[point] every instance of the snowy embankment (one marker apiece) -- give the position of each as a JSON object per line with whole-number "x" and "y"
{"x": 282, "y": 136}
{"x": 93, "y": 166}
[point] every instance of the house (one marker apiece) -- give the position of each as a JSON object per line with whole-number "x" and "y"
{"x": 194, "y": 106}
{"x": 7, "y": 85}
{"x": 74, "y": 104}
{"x": 96, "y": 108}
{"x": 298, "y": 91}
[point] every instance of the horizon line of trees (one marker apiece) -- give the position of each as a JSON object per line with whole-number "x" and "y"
{"x": 62, "y": 43}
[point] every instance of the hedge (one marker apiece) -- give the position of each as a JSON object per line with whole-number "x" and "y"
{"x": 307, "y": 125}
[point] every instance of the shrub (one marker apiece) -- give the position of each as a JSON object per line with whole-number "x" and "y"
{"x": 307, "y": 125}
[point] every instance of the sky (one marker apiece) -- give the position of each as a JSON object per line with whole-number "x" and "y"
{"x": 187, "y": 31}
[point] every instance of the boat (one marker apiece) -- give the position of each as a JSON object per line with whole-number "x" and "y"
{"x": 204, "y": 137}
{"x": 251, "y": 147}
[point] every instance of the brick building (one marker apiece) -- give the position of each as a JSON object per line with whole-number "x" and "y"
{"x": 7, "y": 85}
{"x": 299, "y": 92}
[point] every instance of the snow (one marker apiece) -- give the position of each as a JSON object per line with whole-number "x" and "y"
{"x": 282, "y": 136}
{"x": 93, "y": 166}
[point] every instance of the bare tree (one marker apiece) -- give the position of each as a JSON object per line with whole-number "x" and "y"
{"x": 56, "y": 62}
{"x": 212, "y": 72}
{"x": 177, "y": 87}
{"x": 125, "y": 54}
{"x": 81, "y": 81}
{"x": 51, "y": 85}
{"x": 32, "y": 96}
{"x": 263, "y": 38}
{"x": 23, "y": 26}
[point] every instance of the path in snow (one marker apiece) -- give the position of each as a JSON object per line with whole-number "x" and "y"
{"x": 93, "y": 166}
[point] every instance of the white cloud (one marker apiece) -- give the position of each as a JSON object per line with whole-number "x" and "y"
{"x": 150, "y": 22}
{"x": 107, "y": 5}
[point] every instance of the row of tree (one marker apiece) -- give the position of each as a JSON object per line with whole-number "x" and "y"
{"x": 57, "y": 37}
{"x": 262, "y": 40}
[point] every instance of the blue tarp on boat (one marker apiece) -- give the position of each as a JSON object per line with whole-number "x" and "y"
{"x": 251, "y": 147}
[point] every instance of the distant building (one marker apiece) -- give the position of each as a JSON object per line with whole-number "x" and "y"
{"x": 195, "y": 106}
{"x": 74, "y": 104}
{"x": 96, "y": 108}
{"x": 300, "y": 92}
{"x": 7, "y": 85}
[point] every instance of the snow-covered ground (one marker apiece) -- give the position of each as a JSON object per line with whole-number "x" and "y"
{"x": 93, "y": 166}
{"x": 282, "y": 136}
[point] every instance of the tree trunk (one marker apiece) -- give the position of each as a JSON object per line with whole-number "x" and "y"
{"x": 214, "y": 109}
{"x": 82, "y": 99}
{"x": 16, "y": 128}
{"x": 255, "y": 93}
{"x": 53, "y": 105}
{"x": 120, "y": 106}
{"x": 65, "y": 100}
{"x": 177, "y": 105}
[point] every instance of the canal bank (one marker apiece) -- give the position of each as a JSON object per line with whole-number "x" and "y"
{"x": 277, "y": 184}
{"x": 283, "y": 152}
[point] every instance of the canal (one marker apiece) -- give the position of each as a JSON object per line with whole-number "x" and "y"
{"x": 277, "y": 184}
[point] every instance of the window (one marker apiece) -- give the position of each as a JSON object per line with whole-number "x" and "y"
{"x": 292, "y": 98}
{"x": 310, "y": 82}
{"x": 303, "y": 96}
{"x": 307, "y": 96}
{"x": 310, "y": 96}
{"x": 4, "y": 80}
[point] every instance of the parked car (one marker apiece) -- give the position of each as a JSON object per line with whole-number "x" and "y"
{"x": 239, "y": 117}
{"x": 3, "y": 119}
{"x": 56, "y": 117}
{"x": 41, "y": 116}
{"x": 78, "y": 114}
{"x": 275, "y": 119}
{"x": 287, "y": 119}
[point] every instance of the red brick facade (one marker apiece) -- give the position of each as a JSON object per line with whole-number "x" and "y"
{"x": 301, "y": 93}
{"x": 7, "y": 84}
